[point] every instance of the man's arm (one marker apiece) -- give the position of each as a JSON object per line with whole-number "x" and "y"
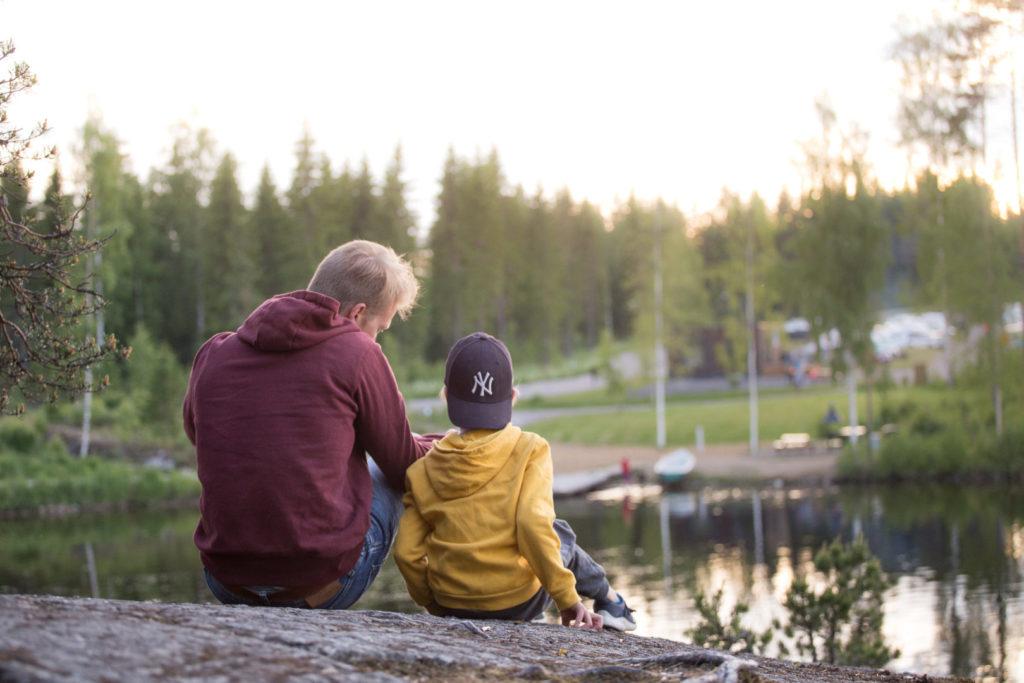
{"x": 188, "y": 414}
{"x": 535, "y": 534}
{"x": 381, "y": 423}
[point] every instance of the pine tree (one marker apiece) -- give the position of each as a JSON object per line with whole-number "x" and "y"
{"x": 229, "y": 288}
{"x": 363, "y": 223}
{"x": 178, "y": 220}
{"x": 632, "y": 249}
{"x": 514, "y": 313}
{"x": 589, "y": 274}
{"x": 331, "y": 203}
{"x": 483, "y": 238}
{"x": 301, "y": 206}
{"x": 139, "y": 294}
{"x": 57, "y": 206}
{"x": 280, "y": 267}
{"x": 444, "y": 293}
{"x": 534, "y": 284}
{"x": 565, "y": 268}
{"x": 396, "y": 225}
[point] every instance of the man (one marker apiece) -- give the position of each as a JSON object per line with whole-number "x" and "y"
{"x": 283, "y": 413}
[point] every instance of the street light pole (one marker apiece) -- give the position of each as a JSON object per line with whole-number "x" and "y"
{"x": 659, "y": 347}
{"x": 751, "y": 342}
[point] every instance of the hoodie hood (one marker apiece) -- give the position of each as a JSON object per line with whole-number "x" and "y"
{"x": 460, "y": 464}
{"x": 297, "y": 320}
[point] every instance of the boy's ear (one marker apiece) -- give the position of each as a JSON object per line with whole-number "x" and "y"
{"x": 515, "y": 395}
{"x": 443, "y": 394}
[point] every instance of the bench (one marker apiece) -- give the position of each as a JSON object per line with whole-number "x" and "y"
{"x": 848, "y": 431}
{"x": 796, "y": 441}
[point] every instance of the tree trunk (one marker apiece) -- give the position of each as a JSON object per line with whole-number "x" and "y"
{"x": 851, "y": 388}
{"x": 91, "y": 268}
{"x": 1016, "y": 167}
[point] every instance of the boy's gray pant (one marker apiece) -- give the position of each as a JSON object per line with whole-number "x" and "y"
{"x": 591, "y": 582}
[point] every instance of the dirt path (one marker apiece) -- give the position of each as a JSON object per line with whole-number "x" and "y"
{"x": 722, "y": 461}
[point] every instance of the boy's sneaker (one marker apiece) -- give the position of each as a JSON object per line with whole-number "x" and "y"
{"x": 617, "y": 615}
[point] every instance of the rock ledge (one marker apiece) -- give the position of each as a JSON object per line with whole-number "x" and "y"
{"x": 45, "y": 638}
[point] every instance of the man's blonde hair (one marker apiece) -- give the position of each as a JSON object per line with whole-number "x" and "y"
{"x": 364, "y": 272}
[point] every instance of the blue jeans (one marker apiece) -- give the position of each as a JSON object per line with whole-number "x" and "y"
{"x": 385, "y": 511}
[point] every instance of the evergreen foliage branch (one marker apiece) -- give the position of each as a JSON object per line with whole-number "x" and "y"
{"x": 42, "y": 351}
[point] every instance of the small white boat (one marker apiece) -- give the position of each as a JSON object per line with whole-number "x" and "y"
{"x": 673, "y": 467}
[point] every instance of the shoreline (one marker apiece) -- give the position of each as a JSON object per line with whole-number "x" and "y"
{"x": 718, "y": 463}
{"x": 596, "y": 467}
{"x": 53, "y": 511}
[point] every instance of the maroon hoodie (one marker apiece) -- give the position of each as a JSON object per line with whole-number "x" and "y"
{"x": 281, "y": 413}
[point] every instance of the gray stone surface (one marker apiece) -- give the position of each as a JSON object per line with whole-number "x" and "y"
{"x": 45, "y": 638}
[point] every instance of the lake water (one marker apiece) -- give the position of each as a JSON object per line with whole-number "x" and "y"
{"x": 957, "y": 555}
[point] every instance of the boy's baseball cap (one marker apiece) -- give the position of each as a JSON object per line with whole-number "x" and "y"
{"x": 478, "y": 382}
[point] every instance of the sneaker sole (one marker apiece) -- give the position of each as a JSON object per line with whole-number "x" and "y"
{"x": 617, "y": 623}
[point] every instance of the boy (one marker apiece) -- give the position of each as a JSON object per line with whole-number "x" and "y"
{"x": 479, "y": 538}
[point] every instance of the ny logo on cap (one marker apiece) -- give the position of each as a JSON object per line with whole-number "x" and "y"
{"x": 485, "y": 382}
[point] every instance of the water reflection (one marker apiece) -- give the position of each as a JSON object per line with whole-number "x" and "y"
{"x": 957, "y": 553}
{"x": 957, "y": 606}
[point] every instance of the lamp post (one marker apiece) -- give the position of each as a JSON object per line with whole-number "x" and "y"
{"x": 659, "y": 347}
{"x": 751, "y": 342}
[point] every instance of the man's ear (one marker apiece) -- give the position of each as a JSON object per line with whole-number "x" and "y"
{"x": 515, "y": 395}
{"x": 443, "y": 394}
{"x": 355, "y": 312}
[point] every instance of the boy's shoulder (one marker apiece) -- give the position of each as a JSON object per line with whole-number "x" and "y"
{"x": 535, "y": 437}
{"x": 538, "y": 446}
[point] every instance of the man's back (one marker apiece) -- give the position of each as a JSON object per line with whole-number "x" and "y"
{"x": 281, "y": 413}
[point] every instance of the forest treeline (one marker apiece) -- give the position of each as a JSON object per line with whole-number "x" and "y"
{"x": 187, "y": 256}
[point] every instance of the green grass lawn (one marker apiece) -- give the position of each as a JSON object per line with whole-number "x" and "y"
{"x": 623, "y": 397}
{"x": 725, "y": 420}
{"x": 426, "y": 382}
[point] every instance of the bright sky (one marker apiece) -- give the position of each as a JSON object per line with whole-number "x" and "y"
{"x": 671, "y": 99}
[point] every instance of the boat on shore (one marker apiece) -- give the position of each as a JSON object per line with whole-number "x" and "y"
{"x": 672, "y": 468}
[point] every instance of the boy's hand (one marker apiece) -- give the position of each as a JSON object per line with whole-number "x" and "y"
{"x": 580, "y": 616}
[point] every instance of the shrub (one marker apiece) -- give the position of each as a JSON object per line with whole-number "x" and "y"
{"x": 925, "y": 424}
{"x": 156, "y": 383}
{"x": 50, "y": 476}
{"x": 19, "y": 434}
{"x": 1002, "y": 456}
{"x": 729, "y": 635}
{"x": 840, "y": 621}
{"x": 912, "y": 455}
{"x": 837, "y": 620}
{"x": 891, "y": 413}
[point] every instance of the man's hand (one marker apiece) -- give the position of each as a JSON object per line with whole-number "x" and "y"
{"x": 580, "y": 616}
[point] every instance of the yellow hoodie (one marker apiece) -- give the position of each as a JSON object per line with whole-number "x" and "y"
{"x": 476, "y": 533}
